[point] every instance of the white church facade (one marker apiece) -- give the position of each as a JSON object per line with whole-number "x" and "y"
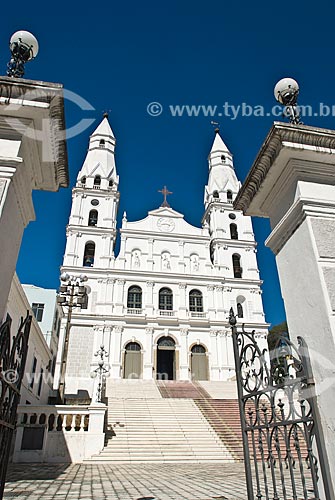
{"x": 160, "y": 307}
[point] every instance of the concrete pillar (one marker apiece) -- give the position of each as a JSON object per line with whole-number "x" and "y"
{"x": 148, "y": 355}
{"x": 292, "y": 183}
{"x": 184, "y": 355}
{"x": 116, "y": 353}
{"x": 214, "y": 369}
{"x": 183, "y": 306}
{"x": 32, "y": 156}
{"x": 149, "y": 299}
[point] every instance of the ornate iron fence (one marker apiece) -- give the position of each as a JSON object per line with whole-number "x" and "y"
{"x": 13, "y": 354}
{"x": 276, "y": 401}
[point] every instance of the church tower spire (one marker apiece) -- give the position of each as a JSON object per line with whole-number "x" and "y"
{"x": 223, "y": 184}
{"x": 91, "y": 232}
{"x": 100, "y": 160}
{"x": 230, "y": 232}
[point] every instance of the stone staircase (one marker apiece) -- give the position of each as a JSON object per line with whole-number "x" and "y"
{"x": 224, "y": 417}
{"x": 181, "y": 390}
{"x": 160, "y": 431}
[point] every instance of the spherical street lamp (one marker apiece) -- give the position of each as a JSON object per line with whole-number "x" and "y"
{"x": 286, "y": 92}
{"x": 72, "y": 293}
{"x": 24, "y": 47}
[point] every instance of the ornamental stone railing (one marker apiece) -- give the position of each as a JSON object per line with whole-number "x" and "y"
{"x": 60, "y": 433}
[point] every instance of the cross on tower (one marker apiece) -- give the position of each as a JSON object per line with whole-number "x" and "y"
{"x": 165, "y": 192}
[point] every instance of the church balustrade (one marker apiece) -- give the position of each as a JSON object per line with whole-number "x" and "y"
{"x": 167, "y": 313}
{"x": 194, "y": 314}
{"x": 134, "y": 311}
{"x": 62, "y": 433}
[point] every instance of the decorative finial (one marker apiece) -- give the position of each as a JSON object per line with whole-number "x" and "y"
{"x": 105, "y": 115}
{"x": 165, "y": 192}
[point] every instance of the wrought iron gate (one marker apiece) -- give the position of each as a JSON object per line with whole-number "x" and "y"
{"x": 13, "y": 354}
{"x": 276, "y": 401}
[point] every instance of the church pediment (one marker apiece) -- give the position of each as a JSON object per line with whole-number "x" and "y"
{"x": 163, "y": 220}
{"x": 165, "y": 212}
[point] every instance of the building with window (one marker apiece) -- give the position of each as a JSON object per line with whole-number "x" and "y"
{"x": 37, "y": 381}
{"x": 160, "y": 307}
{"x": 47, "y": 313}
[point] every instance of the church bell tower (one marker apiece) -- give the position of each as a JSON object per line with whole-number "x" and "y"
{"x": 231, "y": 234}
{"x": 91, "y": 232}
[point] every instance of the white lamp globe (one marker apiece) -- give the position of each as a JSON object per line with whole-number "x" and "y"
{"x": 28, "y": 40}
{"x": 64, "y": 276}
{"x": 285, "y": 89}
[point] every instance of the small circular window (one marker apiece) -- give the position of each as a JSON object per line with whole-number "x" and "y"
{"x": 232, "y": 216}
{"x": 95, "y": 203}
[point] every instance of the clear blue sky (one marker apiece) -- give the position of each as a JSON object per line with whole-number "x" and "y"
{"x": 120, "y": 56}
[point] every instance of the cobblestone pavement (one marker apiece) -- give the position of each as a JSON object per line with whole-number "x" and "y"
{"x": 126, "y": 482}
{"x": 179, "y": 481}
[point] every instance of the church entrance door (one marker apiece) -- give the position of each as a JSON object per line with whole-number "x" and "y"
{"x": 166, "y": 360}
{"x": 199, "y": 363}
{"x": 132, "y": 361}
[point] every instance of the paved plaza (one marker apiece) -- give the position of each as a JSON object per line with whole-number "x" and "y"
{"x": 126, "y": 482}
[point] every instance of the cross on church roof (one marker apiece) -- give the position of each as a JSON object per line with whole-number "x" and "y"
{"x": 165, "y": 192}
{"x": 217, "y": 126}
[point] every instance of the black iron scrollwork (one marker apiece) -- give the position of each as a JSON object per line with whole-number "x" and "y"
{"x": 276, "y": 409}
{"x": 13, "y": 354}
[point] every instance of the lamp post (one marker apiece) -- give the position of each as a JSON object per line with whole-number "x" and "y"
{"x": 102, "y": 371}
{"x": 24, "y": 47}
{"x": 286, "y": 92}
{"x": 72, "y": 293}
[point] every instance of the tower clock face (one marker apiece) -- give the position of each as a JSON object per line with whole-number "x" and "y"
{"x": 165, "y": 224}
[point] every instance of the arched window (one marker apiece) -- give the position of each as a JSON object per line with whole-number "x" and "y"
{"x": 133, "y": 346}
{"x": 229, "y": 196}
{"x": 111, "y": 183}
{"x": 89, "y": 254}
{"x": 239, "y": 310}
{"x": 165, "y": 299}
{"x": 237, "y": 266}
{"x": 198, "y": 349}
{"x": 166, "y": 342}
{"x": 233, "y": 232}
{"x": 93, "y": 218}
{"x": 134, "y": 300}
{"x": 102, "y": 143}
{"x": 83, "y": 180}
{"x": 195, "y": 299}
{"x": 216, "y": 195}
{"x": 97, "y": 181}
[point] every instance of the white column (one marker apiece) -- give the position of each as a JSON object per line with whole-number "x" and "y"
{"x": 116, "y": 354}
{"x": 292, "y": 183}
{"x": 150, "y": 255}
{"x": 148, "y": 354}
{"x": 184, "y": 373}
{"x": 149, "y": 298}
{"x": 219, "y": 302}
{"x": 213, "y": 358}
{"x": 119, "y": 303}
{"x": 110, "y": 292}
{"x": 211, "y": 306}
{"x": 183, "y": 306}
{"x": 78, "y": 251}
{"x": 181, "y": 262}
